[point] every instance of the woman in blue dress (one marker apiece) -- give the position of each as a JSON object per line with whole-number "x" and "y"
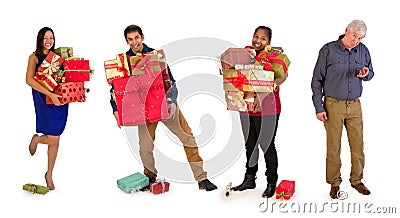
{"x": 50, "y": 118}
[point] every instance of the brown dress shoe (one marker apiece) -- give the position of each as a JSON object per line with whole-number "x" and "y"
{"x": 33, "y": 145}
{"x": 334, "y": 191}
{"x": 360, "y": 187}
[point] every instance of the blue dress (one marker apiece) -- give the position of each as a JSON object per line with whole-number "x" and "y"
{"x": 50, "y": 119}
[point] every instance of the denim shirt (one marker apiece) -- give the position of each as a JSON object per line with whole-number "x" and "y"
{"x": 335, "y": 73}
{"x": 172, "y": 93}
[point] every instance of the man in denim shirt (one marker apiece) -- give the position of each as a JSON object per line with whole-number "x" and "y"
{"x": 176, "y": 122}
{"x": 341, "y": 67}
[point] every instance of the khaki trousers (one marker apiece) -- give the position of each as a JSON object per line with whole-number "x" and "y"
{"x": 179, "y": 127}
{"x": 345, "y": 113}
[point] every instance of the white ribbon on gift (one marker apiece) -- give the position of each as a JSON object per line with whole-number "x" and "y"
{"x": 51, "y": 67}
{"x": 162, "y": 181}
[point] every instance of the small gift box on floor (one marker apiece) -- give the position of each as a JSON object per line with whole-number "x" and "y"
{"x": 133, "y": 182}
{"x": 159, "y": 186}
{"x": 39, "y": 189}
{"x": 70, "y": 92}
{"x": 285, "y": 189}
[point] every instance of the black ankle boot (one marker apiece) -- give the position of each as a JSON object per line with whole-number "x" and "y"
{"x": 269, "y": 191}
{"x": 249, "y": 182}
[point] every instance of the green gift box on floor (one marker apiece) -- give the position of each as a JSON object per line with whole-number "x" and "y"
{"x": 133, "y": 182}
{"x": 35, "y": 188}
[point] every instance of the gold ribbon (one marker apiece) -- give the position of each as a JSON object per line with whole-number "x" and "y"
{"x": 51, "y": 67}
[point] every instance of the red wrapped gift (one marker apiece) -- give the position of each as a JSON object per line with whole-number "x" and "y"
{"x": 46, "y": 81}
{"x": 285, "y": 189}
{"x": 70, "y": 92}
{"x": 158, "y": 187}
{"x": 234, "y": 56}
{"x": 47, "y": 69}
{"x": 76, "y": 70}
{"x": 140, "y": 99}
{"x": 155, "y": 60}
{"x": 50, "y": 64}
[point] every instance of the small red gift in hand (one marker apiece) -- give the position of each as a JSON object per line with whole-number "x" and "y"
{"x": 159, "y": 186}
{"x": 285, "y": 189}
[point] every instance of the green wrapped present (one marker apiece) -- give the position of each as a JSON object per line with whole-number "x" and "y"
{"x": 146, "y": 62}
{"x": 39, "y": 189}
{"x": 133, "y": 182}
{"x": 65, "y": 52}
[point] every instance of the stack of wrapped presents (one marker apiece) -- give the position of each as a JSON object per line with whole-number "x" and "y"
{"x": 64, "y": 75}
{"x": 140, "y": 84}
{"x": 245, "y": 74}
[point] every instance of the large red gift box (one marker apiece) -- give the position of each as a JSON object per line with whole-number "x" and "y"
{"x": 47, "y": 69}
{"x": 140, "y": 99}
{"x": 50, "y": 64}
{"x": 233, "y": 56}
{"x": 76, "y": 70}
{"x": 70, "y": 92}
{"x": 285, "y": 189}
{"x": 159, "y": 187}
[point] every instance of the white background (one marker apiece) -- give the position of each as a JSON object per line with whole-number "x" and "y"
{"x": 94, "y": 153}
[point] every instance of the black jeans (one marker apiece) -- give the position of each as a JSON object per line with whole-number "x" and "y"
{"x": 261, "y": 130}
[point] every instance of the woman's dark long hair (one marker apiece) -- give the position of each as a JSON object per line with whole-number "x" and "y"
{"x": 39, "y": 41}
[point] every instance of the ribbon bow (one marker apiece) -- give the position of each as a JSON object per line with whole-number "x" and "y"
{"x": 283, "y": 195}
{"x": 162, "y": 182}
{"x": 238, "y": 81}
{"x": 266, "y": 58}
{"x": 52, "y": 66}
